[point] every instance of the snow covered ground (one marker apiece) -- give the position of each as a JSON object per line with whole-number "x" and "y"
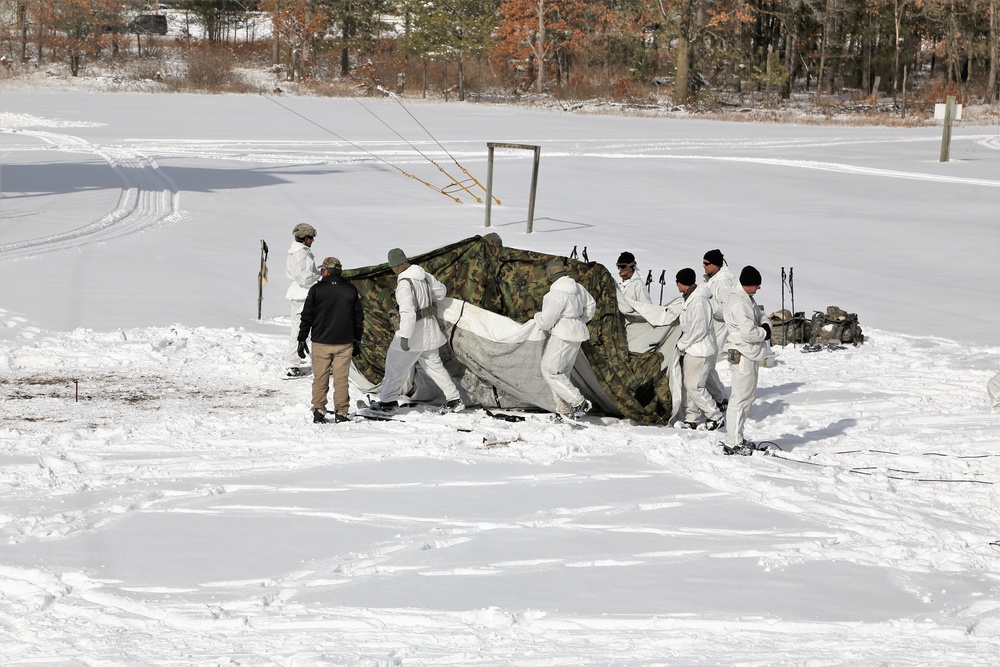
{"x": 166, "y": 500}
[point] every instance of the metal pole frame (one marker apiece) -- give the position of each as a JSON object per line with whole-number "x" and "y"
{"x": 537, "y": 150}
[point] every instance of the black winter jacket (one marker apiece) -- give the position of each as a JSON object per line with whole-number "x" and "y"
{"x": 333, "y": 312}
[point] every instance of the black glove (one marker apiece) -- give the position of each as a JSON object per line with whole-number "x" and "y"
{"x": 303, "y": 349}
{"x": 357, "y": 348}
{"x": 767, "y": 330}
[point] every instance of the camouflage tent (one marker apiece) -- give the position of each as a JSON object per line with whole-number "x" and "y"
{"x": 481, "y": 273}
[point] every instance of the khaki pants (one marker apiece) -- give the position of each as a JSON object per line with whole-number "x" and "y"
{"x": 335, "y": 360}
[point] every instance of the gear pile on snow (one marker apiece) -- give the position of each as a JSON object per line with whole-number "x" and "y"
{"x": 493, "y": 356}
{"x": 834, "y": 325}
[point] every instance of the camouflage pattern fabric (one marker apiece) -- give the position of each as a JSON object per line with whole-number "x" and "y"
{"x": 512, "y": 283}
{"x": 835, "y": 325}
{"x": 788, "y": 329}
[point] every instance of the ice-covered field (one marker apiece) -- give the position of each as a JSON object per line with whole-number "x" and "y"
{"x": 166, "y": 500}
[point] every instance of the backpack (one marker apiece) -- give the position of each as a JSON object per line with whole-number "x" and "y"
{"x": 788, "y": 329}
{"x": 836, "y": 326}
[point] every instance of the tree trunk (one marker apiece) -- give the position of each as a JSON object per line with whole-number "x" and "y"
{"x": 461, "y": 79}
{"x": 345, "y": 56}
{"x": 790, "y": 65}
{"x": 897, "y": 20}
{"x": 22, "y": 22}
{"x": 540, "y": 78}
{"x": 991, "y": 78}
{"x": 682, "y": 66}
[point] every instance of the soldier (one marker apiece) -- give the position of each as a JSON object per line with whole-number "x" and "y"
{"x": 721, "y": 282}
{"x": 698, "y": 351}
{"x": 630, "y": 282}
{"x": 746, "y": 351}
{"x": 301, "y": 270}
{"x": 566, "y": 309}
{"x": 419, "y": 335}
{"x": 333, "y": 312}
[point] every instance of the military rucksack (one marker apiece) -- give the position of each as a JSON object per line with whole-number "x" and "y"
{"x": 788, "y": 329}
{"x": 835, "y": 326}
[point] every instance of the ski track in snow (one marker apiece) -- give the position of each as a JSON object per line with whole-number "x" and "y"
{"x": 159, "y": 429}
{"x": 148, "y": 197}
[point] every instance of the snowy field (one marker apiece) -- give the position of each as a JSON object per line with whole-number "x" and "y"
{"x": 166, "y": 500}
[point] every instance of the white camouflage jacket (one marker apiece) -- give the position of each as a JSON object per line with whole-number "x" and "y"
{"x": 743, "y": 319}
{"x": 301, "y": 270}
{"x": 416, "y": 290}
{"x": 722, "y": 285}
{"x": 698, "y": 337}
{"x": 566, "y": 309}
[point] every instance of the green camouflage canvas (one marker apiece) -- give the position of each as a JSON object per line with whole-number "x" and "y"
{"x": 512, "y": 282}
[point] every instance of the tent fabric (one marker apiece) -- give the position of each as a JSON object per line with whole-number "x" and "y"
{"x": 493, "y": 351}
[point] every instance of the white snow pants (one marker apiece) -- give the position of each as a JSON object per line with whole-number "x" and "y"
{"x": 744, "y": 380}
{"x": 293, "y": 340}
{"x": 697, "y": 400}
{"x": 399, "y": 363}
{"x": 557, "y": 362}
{"x": 713, "y": 383}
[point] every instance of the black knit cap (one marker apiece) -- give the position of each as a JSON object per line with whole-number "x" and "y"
{"x": 715, "y": 257}
{"x": 749, "y": 276}
{"x": 626, "y": 258}
{"x": 686, "y": 277}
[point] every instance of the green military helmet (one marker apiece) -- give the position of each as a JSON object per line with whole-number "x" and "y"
{"x": 303, "y": 230}
{"x": 556, "y": 269}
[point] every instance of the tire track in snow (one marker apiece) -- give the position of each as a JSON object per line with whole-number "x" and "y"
{"x": 148, "y": 197}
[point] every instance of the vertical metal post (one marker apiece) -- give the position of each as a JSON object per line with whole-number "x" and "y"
{"x": 537, "y": 150}
{"x": 534, "y": 186}
{"x": 489, "y": 185}
{"x": 949, "y": 116}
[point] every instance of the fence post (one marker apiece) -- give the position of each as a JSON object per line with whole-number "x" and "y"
{"x": 489, "y": 184}
{"x": 534, "y": 185}
{"x": 949, "y": 116}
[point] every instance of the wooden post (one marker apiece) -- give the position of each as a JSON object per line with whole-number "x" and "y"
{"x": 489, "y": 183}
{"x": 949, "y": 115}
{"x": 534, "y": 186}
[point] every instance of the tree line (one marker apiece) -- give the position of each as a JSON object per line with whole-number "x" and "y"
{"x": 782, "y": 46}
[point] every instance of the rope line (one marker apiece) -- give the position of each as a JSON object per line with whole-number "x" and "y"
{"x": 362, "y": 149}
{"x": 421, "y": 153}
{"x": 457, "y": 164}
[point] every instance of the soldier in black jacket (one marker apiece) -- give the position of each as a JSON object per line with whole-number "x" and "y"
{"x": 333, "y": 311}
